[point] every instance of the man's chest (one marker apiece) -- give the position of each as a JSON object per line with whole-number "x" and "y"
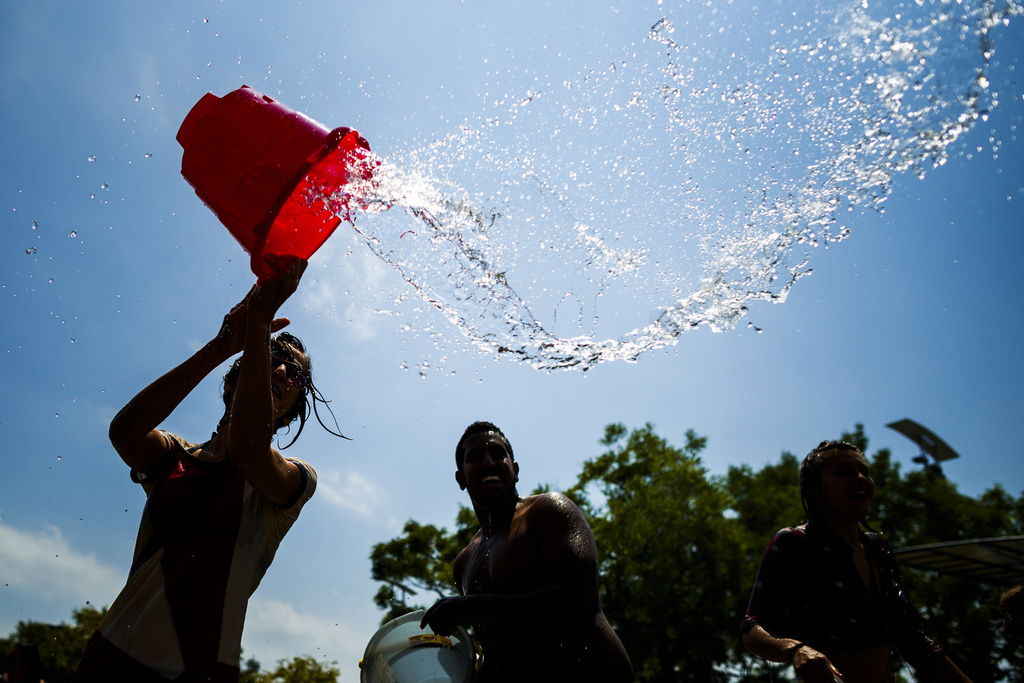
{"x": 503, "y": 563}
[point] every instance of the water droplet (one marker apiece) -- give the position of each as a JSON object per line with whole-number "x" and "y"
{"x": 51, "y": 279}
{"x": 92, "y": 158}
{"x": 138, "y": 97}
{"x": 73, "y": 233}
{"x": 149, "y": 154}
{"x": 30, "y": 250}
{"x": 58, "y": 457}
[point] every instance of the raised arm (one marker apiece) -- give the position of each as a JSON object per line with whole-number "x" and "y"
{"x": 251, "y": 423}
{"x": 133, "y": 431}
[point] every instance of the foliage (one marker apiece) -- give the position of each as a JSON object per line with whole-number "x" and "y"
{"x": 60, "y": 646}
{"x": 418, "y": 561}
{"x": 301, "y": 670}
{"x": 250, "y": 672}
{"x": 923, "y": 507}
{"x": 668, "y": 553}
{"x": 679, "y": 549}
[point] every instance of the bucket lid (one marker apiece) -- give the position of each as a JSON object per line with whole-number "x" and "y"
{"x": 402, "y": 652}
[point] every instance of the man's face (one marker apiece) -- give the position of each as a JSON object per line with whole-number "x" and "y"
{"x": 488, "y": 470}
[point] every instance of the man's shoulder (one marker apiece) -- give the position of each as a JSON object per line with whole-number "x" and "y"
{"x": 550, "y": 510}
{"x": 548, "y": 501}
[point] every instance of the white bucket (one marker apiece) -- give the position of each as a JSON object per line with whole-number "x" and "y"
{"x": 402, "y": 652}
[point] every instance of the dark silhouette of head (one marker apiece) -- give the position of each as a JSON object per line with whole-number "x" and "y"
{"x": 477, "y": 428}
{"x": 290, "y": 348}
{"x": 810, "y": 473}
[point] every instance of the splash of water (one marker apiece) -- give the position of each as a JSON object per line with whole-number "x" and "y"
{"x": 687, "y": 179}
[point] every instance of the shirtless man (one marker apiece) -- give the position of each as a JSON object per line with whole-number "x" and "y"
{"x": 528, "y": 579}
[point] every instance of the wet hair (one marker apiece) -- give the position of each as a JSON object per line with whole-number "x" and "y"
{"x": 289, "y": 346}
{"x": 811, "y": 469}
{"x": 477, "y": 428}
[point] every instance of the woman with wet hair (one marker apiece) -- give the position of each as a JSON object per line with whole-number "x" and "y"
{"x": 216, "y": 511}
{"x": 828, "y": 598}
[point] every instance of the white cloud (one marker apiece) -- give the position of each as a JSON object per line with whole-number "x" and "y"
{"x": 356, "y": 291}
{"x": 42, "y": 567}
{"x": 275, "y": 630}
{"x": 42, "y": 564}
{"x": 351, "y": 491}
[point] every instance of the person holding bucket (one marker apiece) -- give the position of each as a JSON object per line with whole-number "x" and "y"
{"x": 528, "y": 580}
{"x": 216, "y": 511}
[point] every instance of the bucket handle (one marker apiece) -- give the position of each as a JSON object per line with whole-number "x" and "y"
{"x": 429, "y": 639}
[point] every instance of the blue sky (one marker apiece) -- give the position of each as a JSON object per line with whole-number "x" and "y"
{"x": 113, "y": 271}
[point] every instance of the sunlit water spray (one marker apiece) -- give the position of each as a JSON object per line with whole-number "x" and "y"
{"x": 601, "y": 217}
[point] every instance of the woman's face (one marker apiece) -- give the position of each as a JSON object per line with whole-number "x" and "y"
{"x": 847, "y": 489}
{"x": 288, "y": 381}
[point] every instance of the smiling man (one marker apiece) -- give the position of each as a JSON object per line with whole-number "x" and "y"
{"x": 528, "y": 579}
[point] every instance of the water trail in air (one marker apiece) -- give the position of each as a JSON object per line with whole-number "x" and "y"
{"x": 601, "y": 217}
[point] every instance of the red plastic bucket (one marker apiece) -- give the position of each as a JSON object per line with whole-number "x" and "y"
{"x": 270, "y": 173}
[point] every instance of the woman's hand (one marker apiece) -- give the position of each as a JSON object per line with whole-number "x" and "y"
{"x": 814, "y": 667}
{"x": 266, "y": 298}
{"x": 231, "y": 336}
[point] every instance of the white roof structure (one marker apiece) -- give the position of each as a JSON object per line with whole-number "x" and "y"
{"x": 997, "y": 561}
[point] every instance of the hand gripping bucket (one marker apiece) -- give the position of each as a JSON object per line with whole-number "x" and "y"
{"x": 402, "y": 652}
{"x": 273, "y": 176}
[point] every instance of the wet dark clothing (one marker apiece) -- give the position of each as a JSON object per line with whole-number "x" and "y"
{"x": 205, "y": 542}
{"x": 808, "y": 588}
